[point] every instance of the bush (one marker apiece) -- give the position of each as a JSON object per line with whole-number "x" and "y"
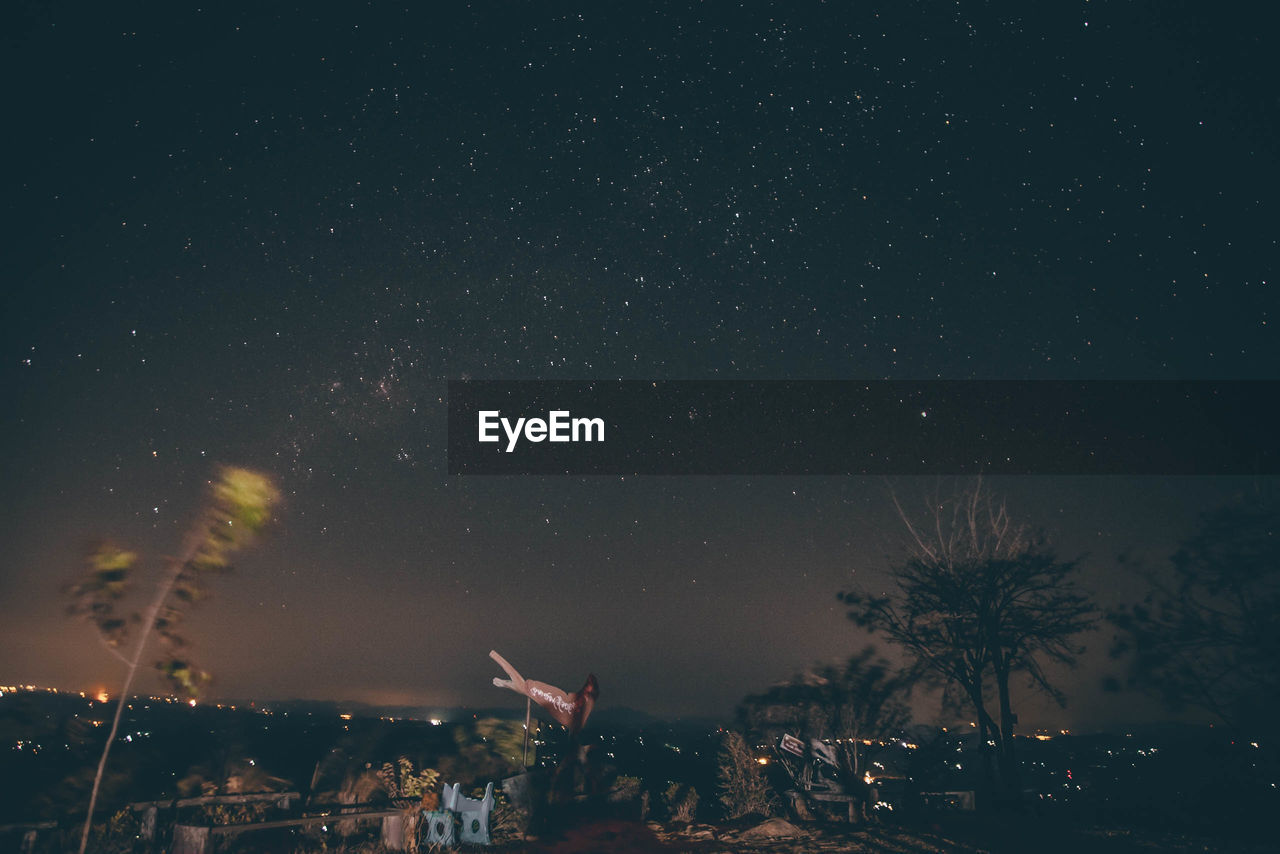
{"x": 402, "y": 781}
{"x": 743, "y": 789}
{"x": 681, "y": 802}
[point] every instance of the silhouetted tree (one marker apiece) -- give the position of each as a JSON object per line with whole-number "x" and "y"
{"x": 238, "y": 506}
{"x": 1207, "y": 634}
{"x": 863, "y": 699}
{"x": 978, "y": 599}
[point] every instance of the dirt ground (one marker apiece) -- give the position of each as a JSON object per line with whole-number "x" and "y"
{"x": 961, "y": 835}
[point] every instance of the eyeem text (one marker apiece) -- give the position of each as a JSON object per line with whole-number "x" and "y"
{"x": 558, "y": 426}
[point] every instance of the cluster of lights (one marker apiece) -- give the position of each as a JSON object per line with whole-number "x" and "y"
{"x": 18, "y": 689}
{"x": 99, "y": 694}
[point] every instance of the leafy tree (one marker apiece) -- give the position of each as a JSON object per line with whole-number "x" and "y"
{"x": 239, "y": 505}
{"x": 978, "y": 599}
{"x": 863, "y": 699}
{"x": 1206, "y": 635}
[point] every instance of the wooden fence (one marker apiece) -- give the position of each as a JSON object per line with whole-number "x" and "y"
{"x": 397, "y": 830}
{"x": 398, "y": 825}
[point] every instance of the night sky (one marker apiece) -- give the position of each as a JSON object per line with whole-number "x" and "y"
{"x": 268, "y": 237}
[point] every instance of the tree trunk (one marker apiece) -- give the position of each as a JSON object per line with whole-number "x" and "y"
{"x": 986, "y": 729}
{"x": 1010, "y": 777}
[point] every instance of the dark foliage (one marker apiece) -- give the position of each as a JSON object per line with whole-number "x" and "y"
{"x": 863, "y": 699}
{"x": 1209, "y": 638}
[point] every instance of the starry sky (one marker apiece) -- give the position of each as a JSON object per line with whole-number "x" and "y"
{"x": 268, "y": 236}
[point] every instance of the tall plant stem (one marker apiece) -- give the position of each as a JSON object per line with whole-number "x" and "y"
{"x": 145, "y": 635}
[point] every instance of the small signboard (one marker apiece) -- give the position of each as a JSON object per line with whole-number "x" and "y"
{"x": 791, "y": 744}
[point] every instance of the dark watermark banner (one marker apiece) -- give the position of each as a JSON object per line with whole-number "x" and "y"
{"x": 863, "y": 428}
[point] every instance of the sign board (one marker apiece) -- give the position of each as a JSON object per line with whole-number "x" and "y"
{"x": 791, "y": 744}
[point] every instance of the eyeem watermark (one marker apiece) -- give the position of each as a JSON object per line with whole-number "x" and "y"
{"x": 864, "y": 427}
{"x": 558, "y": 426}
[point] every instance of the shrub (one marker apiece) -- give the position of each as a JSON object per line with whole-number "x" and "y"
{"x": 743, "y": 788}
{"x": 402, "y": 781}
{"x": 681, "y": 802}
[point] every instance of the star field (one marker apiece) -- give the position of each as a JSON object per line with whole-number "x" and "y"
{"x": 240, "y": 234}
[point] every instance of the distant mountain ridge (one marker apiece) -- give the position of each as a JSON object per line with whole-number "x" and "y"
{"x": 613, "y": 717}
